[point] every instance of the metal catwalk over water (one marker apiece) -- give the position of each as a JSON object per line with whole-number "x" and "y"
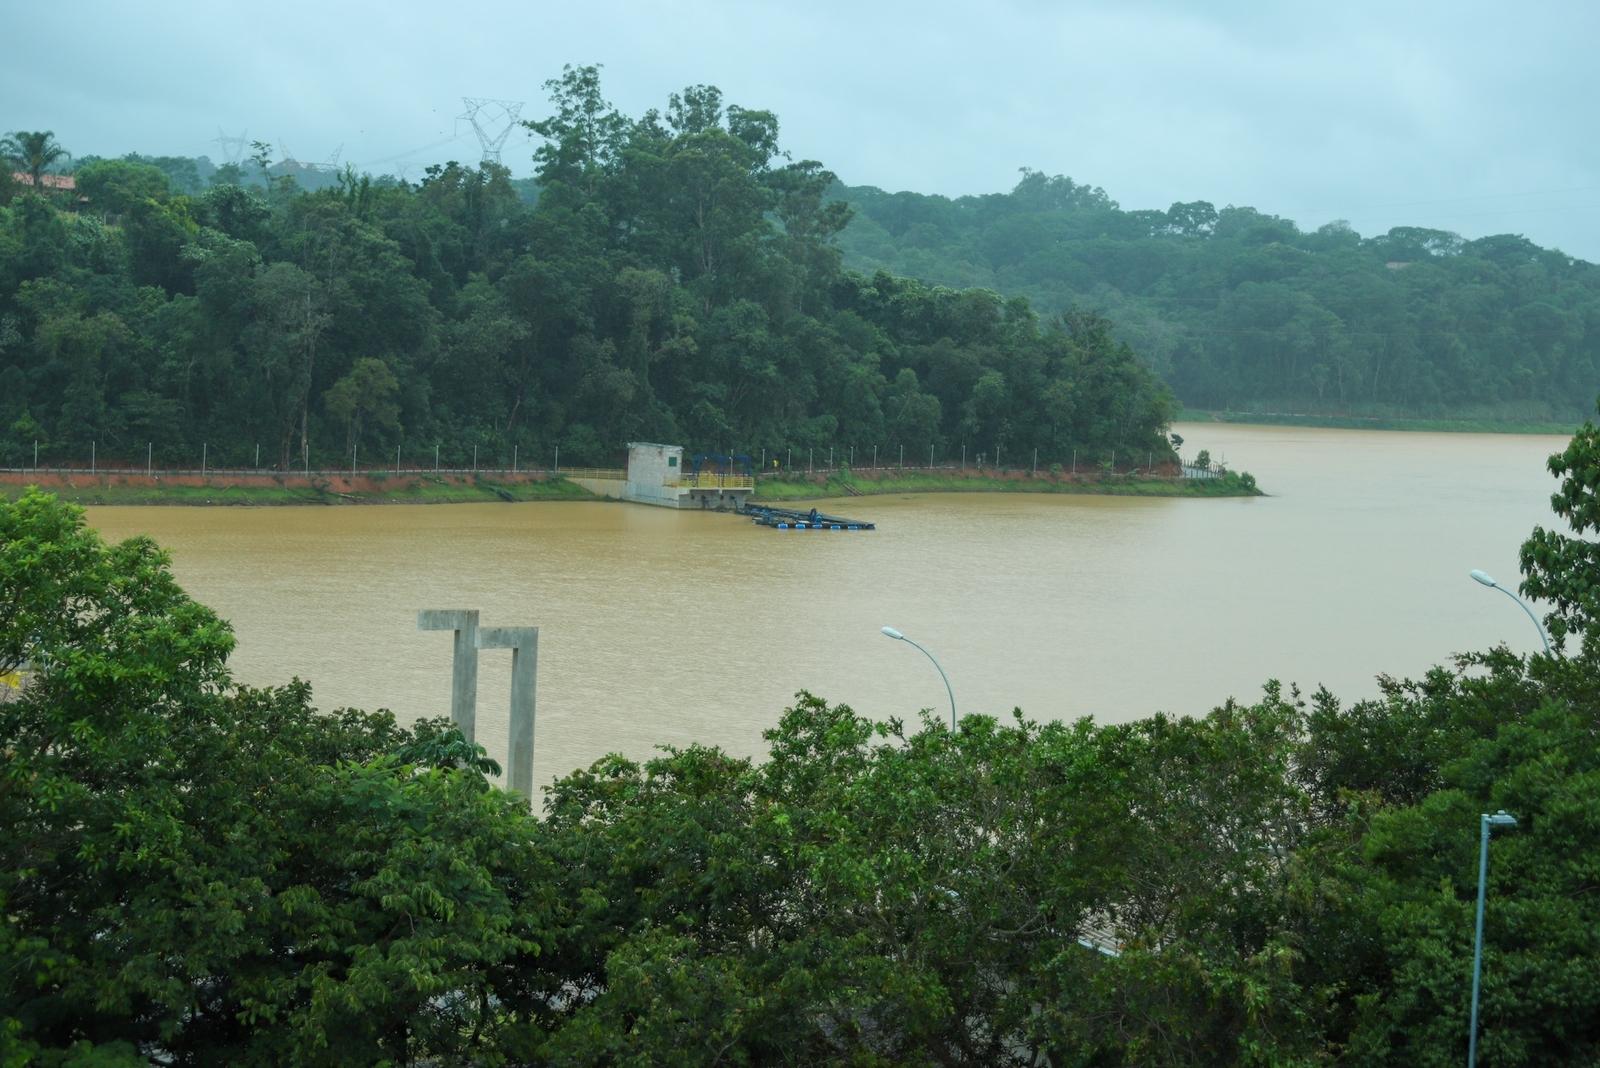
{"x": 791, "y": 519}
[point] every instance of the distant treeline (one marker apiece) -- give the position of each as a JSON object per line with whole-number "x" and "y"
{"x": 1240, "y": 310}
{"x": 678, "y": 279}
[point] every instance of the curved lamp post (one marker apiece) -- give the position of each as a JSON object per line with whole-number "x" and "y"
{"x": 897, "y": 636}
{"x": 1483, "y": 578}
{"x": 1486, "y": 824}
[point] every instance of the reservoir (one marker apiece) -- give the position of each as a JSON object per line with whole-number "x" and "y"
{"x": 664, "y": 627}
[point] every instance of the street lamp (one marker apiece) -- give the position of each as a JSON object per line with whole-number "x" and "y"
{"x": 1486, "y": 824}
{"x": 897, "y": 636}
{"x": 1483, "y": 578}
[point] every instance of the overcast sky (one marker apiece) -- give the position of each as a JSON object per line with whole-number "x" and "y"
{"x": 1476, "y": 118}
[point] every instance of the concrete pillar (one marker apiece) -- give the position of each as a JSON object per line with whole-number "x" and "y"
{"x": 524, "y": 645}
{"x": 464, "y": 668}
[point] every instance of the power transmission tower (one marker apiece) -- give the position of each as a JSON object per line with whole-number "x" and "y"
{"x": 487, "y": 116}
{"x": 232, "y": 147}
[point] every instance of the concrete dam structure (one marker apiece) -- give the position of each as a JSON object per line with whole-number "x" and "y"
{"x": 657, "y": 475}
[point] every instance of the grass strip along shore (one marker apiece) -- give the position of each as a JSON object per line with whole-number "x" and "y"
{"x": 1440, "y": 425}
{"x": 846, "y": 483}
{"x": 266, "y": 488}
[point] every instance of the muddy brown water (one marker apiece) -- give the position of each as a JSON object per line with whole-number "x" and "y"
{"x": 660, "y": 627}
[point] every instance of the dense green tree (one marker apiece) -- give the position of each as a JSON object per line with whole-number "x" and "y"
{"x": 1564, "y": 570}
{"x": 208, "y": 874}
{"x": 1239, "y": 309}
{"x": 677, "y": 277}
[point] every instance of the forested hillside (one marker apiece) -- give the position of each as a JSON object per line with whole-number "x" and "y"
{"x": 1244, "y": 311}
{"x": 677, "y": 279}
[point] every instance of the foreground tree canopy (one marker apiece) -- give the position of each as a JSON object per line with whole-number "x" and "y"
{"x": 676, "y": 280}
{"x": 200, "y": 873}
{"x": 1243, "y": 310}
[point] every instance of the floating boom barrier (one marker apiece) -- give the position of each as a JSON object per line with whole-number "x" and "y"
{"x": 792, "y": 519}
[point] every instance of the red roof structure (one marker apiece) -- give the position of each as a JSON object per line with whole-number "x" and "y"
{"x": 61, "y": 182}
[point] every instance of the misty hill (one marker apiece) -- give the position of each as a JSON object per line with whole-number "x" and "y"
{"x": 677, "y": 279}
{"x": 1244, "y": 311}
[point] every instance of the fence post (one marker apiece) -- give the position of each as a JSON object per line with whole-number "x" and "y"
{"x": 92, "y": 445}
{"x": 436, "y": 457}
{"x": 558, "y": 459}
{"x": 203, "y": 447}
{"x": 36, "y": 455}
{"x": 874, "y": 457}
{"x": 397, "y": 459}
{"x": 902, "y": 457}
{"x": 1074, "y": 461}
{"x": 352, "y": 461}
{"x": 1036, "y": 461}
{"x": 810, "y": 456}
{"x": 258, "y": 456}
{"x": 474, "y": 459}
{"x": 930, "y": 456}
{"x": 830, "y": 457}
{"x": 513, "y": 459}
{"x": 149, "y": 453}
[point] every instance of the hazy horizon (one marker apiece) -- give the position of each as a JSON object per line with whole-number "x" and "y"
{"x": 1435, "y": 115}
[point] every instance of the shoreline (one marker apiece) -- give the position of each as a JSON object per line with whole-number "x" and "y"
{"x": 266, "y": 489}
{"x": 1404, "y": 424}
{"x": 269, "y": 489}
{"x": 853, "y": 484}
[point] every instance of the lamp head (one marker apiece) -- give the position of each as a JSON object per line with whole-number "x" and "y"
{"x": 892, "y": 633}
{"x": 1483, "y": 577}
{"x": 1501, "y": 819}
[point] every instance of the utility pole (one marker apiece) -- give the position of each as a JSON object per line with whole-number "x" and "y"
{"x": 492, "y": 121}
